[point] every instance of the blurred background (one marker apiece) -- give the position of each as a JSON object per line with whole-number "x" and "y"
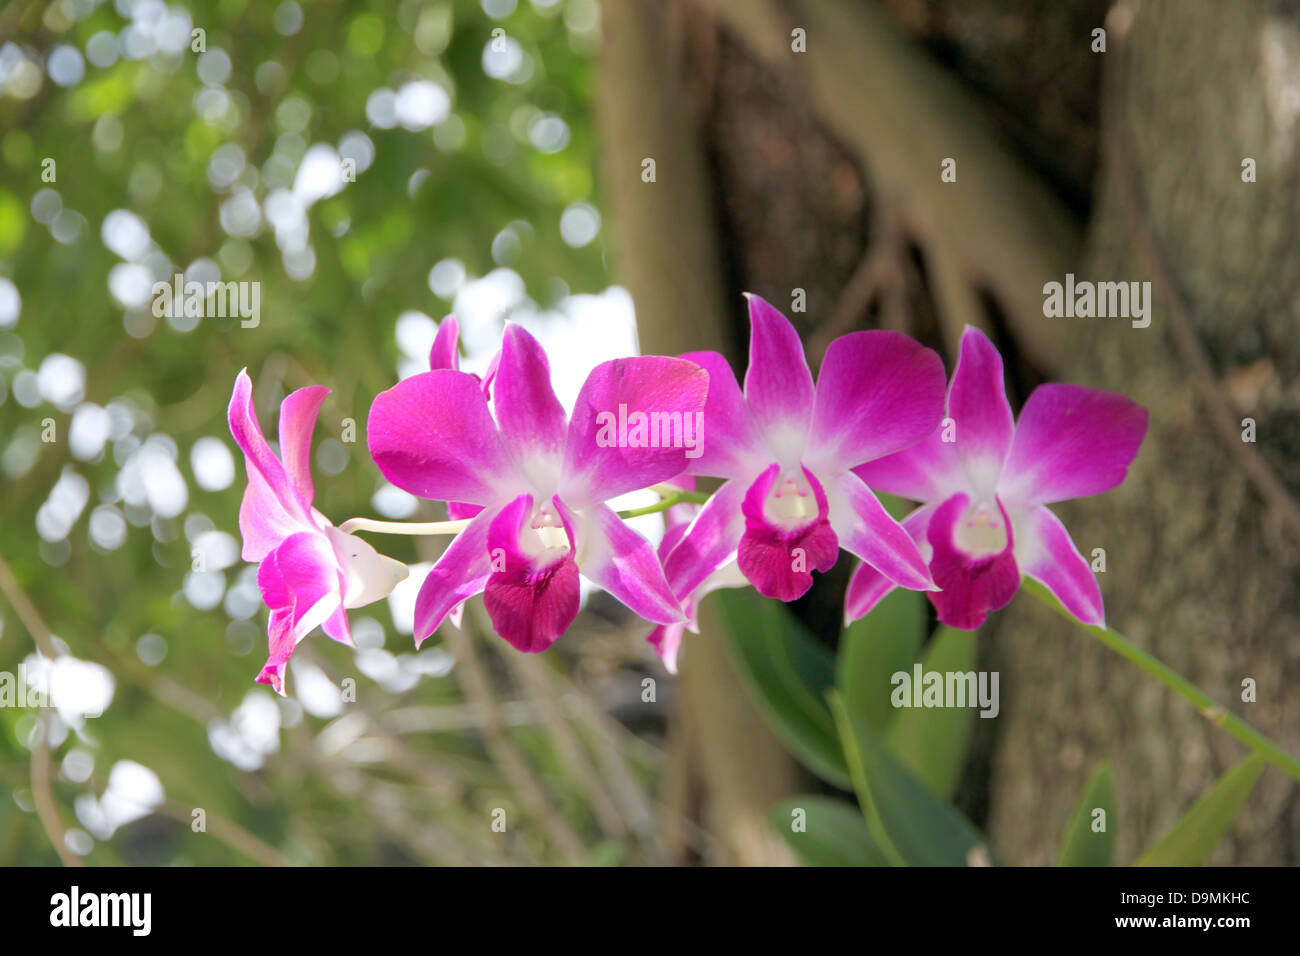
{"x": 613, "y": 175}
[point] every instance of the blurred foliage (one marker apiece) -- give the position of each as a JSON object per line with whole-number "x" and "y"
{"x": 148, "y": 133}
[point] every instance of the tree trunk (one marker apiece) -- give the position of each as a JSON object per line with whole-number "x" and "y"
{"x": 1200, "y": 571}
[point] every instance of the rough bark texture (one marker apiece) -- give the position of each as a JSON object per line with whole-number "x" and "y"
{"x": 1199, "y": 571}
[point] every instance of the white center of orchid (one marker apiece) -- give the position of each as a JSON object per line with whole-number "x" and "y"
{"x": 544, "y": 535}
{"x": 791, "y": 502}
{"x": 981, "y": 531}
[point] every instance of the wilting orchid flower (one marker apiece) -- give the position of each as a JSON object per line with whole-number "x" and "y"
{"x": 984, "y": 482}
{"x": 541, "y": 482}
{"x": 310, "y": 571}
{"x": 667, "y": 638}
{"x": 787, "y": 449}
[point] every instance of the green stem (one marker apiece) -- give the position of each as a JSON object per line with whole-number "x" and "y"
{"x": 1210, "y": 709}
{"x": 671, "y": 496}
{"x": 404, "y": 527}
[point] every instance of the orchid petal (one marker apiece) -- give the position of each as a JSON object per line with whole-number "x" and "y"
{"x": 367, "y": 574}
{"x": 263, "y": 520}
{"x": 868, "y": 586}
{"x": 710, "y": 541}
{"x": 1071, "y": 442}
{"x": 1045, "y": 552}
{"x": 865, "y": 529}
{"x": 622, "y": 562}
{"x": 600, "y": 463}
{"x": 777, "y": 560}
{"x": 732, "y": 445}
{"x": 297, "y": 420}
{"x": 530, "y": 417}
{"x": 878, "y": 393}
{"x": 971, "y": 586}
{"x": 258, "y": 456}
{"x": 432, "y": 435}
{"x": 778, "y": 384}
{"x": 446, "y": 352}
{"x": 977, "y": 404}
{"x": 460, "y": 573}
{"x": 530, "y": 603}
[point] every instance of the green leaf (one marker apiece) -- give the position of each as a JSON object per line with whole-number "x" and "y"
{"x": 904, "y": 816}
{"x": 1081, "y": 845}
{"x": 834, "y": 832}
{"x": 932, "y": 741}
{"x": 875, "y": 647}
{"x": 1194, "y": 837}
{"x": 789, "y": 674}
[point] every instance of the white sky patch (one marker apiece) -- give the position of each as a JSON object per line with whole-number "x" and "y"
{"x": 252, "y": 733}
{"x": 421, "y": 104}
{"x": 213, "y": 464}
{"x": 11, "y": 303}
{"x": 394, "y": 503}
{"x": 313, "y": 689}
{"x": 133, "y": 792}
{"x": 77, "y": 689}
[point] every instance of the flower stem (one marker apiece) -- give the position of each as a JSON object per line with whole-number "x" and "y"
{"x": 1210, "y": 709}
{"x": 403, "y": 527}
{"x": 670, "y": 496}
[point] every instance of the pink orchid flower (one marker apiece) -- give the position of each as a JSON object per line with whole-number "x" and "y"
{"x": 540, "y": 480}
{"x": 310, "y": 571}
{"x": 787, "y": 450}
{"x": 983, "y": 521}
{"x": 666, "y": 639}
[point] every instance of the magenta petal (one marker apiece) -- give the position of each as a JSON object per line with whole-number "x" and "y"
{"x": 432, "y": 435}
{"x": 299, "y": 582}
{"x": 666, "y": 639}
{"x": 623, "y": 563}
{"x": 733, "y": 446}
{"x": 459, "y": 574}
{"x": 868, "y": 586}
{"x": 977, "y": 404}
{"x": 778, "y": 384}
{"x": 531, "y": 419}
{"x": 971, "y": 586}
{"x": 263, "y": 520}
{"x": 778, "y": 560}
{"x": 928, "y": 471}
{"x": 709, "y": 542}
{"x": 606, "y": 454}
{"x": 490, "y": 376}
{"x": 459, "y": 510}
{"x": 531, "y": 604}
{"x": 1046, "y": 553}
{"x": 297, "y": 419}
{"x": 257, "y": 453}
{"x": 281, "y": 645}
{"x": 446, "y": 352}
{"x": 866, "y": 529}
{"x": 878, "y": 393}
{"x": 1071, "y": 442}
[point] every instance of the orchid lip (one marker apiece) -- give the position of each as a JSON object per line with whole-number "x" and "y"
{"x": 791, "y": 503}
{"x": 982, "y": 530}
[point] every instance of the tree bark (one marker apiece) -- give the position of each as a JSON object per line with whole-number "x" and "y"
{"x": 1201, "y": 572}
